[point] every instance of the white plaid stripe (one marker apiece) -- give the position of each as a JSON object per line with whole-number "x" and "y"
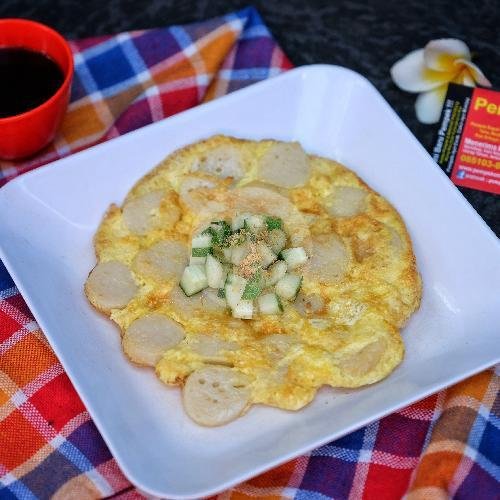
{"x": 259, "y": 492}
{"x": 416, "y": 413}
{"x": 17, "y": 336}
{"x": 153, "y": 99}
{"x": 99, "y": 49}
{"x": 363, "y": 465}
{"x": 43, "y": 379}
{"x": 437, "y": 411}
{"x": 14, "y": 313}
{"x": 471, "y": 451}
{"x": 8, "y": 292}
{"x": 393, "y": 461}
{"x": 7, "y": 478}
{"x": 133, "y": 56}
{"x": 100, "y": 482}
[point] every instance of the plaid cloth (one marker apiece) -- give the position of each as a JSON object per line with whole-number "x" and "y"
{"x": 445, "y": 446}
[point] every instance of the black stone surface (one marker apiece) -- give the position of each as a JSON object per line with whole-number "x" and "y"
{"x": 367, "y": 36}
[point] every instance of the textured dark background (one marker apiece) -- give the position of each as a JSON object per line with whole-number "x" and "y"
{"x": 367, "y": 36}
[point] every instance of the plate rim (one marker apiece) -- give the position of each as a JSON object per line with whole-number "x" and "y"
{"x": 101, "y": 425}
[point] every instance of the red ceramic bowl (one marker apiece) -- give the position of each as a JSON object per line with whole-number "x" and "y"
{"x": 24, "y": 134}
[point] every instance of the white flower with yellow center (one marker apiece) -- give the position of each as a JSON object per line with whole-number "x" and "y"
{"x": 429, "y": 70}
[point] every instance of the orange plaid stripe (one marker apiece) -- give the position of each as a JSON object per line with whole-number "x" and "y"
{"x": 436, "y": 474}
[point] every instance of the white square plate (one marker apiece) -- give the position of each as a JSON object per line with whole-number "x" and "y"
{"x": 50, "y": 215}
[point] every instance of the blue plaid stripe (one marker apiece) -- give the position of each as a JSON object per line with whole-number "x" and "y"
{"x": 85, "y": 77}
{"x": 133, "y": 55}
{"x": 310, "y": 495}
{"x": 182, "y": 37}
{"x": 246, "y": 74}
{"x": 8, "y": 292}
{"x": 6, "y": 282}
{"x": 18, "y": 490}
{"x": 110, "y": 68}
{"x": 75, "y": 456}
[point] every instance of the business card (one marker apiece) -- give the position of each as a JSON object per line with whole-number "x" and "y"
{"x": 468, "y": 140}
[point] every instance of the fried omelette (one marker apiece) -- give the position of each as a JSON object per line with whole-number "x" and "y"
{"x": 184, "y": 268}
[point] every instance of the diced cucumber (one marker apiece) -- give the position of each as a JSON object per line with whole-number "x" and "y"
{"x": 212, "y": 232}
{"x": 294, "y": 257}
{"x": 280, "y": 305}
{"x": 224, "y": 231}
{"x": 254, "y": 286}
{"x": 197, "y": 261}
{"x": 244, "y": 309}
{"x": 269, "y": 303}
{"x": 234, "y": 288}
{"x": 288, "y": 287}
{"x": 219, "y": 231}
{"x": 200, "y": 252}
{"x": 254, "y": 223}
{"x": 273, "y": 223}
{"x": 277, "y": 240}
{"x": 215, "y": 272}
{"x": 239, "y": 221}
{"x": 201, "y": 246}
{"x": 275, "y": 272}
{"x": 267, "y": 256}
{"x": 202, "y": 241}
{"x": 218, "y": 254}
{"x": 193, "y": 280}
{"x": 227, "y": 252}
{"x": 238, "y": 253}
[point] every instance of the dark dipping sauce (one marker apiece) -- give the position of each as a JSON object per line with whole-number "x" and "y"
{"x": 27, "y": 79}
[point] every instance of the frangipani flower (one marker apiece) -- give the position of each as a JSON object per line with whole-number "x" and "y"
{"x": 429, "y": 70}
